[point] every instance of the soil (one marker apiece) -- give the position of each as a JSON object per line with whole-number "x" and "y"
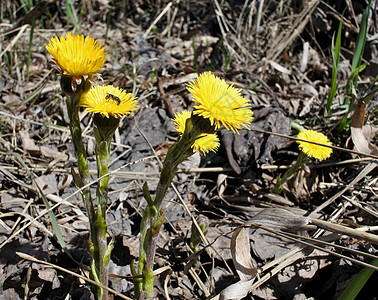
{"x": 279, "y": 55}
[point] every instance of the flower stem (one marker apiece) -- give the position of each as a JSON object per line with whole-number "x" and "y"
{"x": 289, "y": 174}
{"x": 153, "y": 214}
{"x": 96, "y": 219}
{"x": 83, "y": 179}
{"x": 101, "y": 250}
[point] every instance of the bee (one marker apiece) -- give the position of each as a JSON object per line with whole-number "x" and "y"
{"x": 113, "y": 98}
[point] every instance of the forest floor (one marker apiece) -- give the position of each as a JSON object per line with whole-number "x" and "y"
{"x": 279, "y": 54}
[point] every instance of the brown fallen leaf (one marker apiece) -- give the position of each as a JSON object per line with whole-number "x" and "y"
{"x": 241, "y": 254}
{"x": 244, "y": 265}
{"x": 279, "y": 218}
{"x": 362, "y": 134}
{"x": 47, "y": 184}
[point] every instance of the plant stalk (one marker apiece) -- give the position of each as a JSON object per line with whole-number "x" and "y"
{"x": 153, "y": 214}
{"x": 302, "y": 159}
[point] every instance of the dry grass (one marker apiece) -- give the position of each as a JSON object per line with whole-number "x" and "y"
{"x": 278, "y": 52}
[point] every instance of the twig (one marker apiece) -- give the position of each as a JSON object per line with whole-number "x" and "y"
{"x": 33, "y": 259}
{"x": 145, "y": 35}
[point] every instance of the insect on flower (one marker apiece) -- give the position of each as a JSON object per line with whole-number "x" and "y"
{"x": 113, "y": 98}
{"x": 108, "y": 101}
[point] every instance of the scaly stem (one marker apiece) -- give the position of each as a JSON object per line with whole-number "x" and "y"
{"x": 82, "y": 181}
{"x": 153, "y": 215}
{"x": 289, "y": 174}
{"x": 73, "y": 113}
{"x": 179, "y": 152}
{"x": 101, "y": 250}
{"x": 151, "y": 241}
{"x": 104, "y": 130}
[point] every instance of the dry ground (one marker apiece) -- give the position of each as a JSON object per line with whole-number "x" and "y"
{"x": 278, "y": 53}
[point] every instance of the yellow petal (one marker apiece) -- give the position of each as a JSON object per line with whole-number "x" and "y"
{"x": 220, "y": 102}
{"x": 108, "y": 101}
{"x": 77, "y": 55}
{"x": 313, "y": 150}
{"x": 205, "y": 142}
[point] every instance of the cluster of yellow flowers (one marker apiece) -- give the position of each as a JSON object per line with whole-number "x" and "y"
{"x": 219, "y": 102}
{"x": 82, "y": 57}
{"x": 216, "y": 103}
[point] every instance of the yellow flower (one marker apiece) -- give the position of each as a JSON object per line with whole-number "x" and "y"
{"x": 313, "y": 150}
{"x": 77, "y": 56}
{"x": 180, "y": 120}
{"x": 205, "y": 142}
{"x": 108, "y": 101}
{"x": 220, "y": 102}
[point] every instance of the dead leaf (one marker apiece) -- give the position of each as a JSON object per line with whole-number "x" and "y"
{"x": 244, "y": 265}
{"x": 304, "y": 183}
{"x": 248, "y": 148}
{"x": 279, "y": 218}
{"x": 221, "y": 184}
{"x": 220, "y": 240}
{"x": 47, "y": 274}
{"x": 241, "y": 254}
{"x": 29, "y": 145}
{"x": 12, "y": 100}
{"x": 359, "y": 136}
{"x": 236, "y": 291}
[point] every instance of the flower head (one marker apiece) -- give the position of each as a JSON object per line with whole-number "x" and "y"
{"x": 180, "y": 120}
{"x": 205, "y": 142}
{"x": 77, "y": 56}
{"x": 108, "y": 101}
{"x": 313, "y": 150}
{"x": 220, "y": 102}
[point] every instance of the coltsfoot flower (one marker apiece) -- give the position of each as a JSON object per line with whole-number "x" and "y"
{"x": 205, "y": 142}
{"x": 108, "y": 101}
{"x": 220, "y": 102}
{"x": 77, "y": 56}
{"x": 180, "y": 120}
{"x": 313, "y": 150}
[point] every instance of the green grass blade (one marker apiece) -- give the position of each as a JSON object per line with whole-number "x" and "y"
{"x": 195, "y": 58}
{"x": 9, "y": 61}
{"x": 71, "y": 15}
{"x": 25, "y": 6}
{"x": 358, "y": 53}
{"x": 56, "y": 227}
{"x": 361, "y": 39}
{"x": 374, "y": 81}
{"x": 30, "y": 49}
{"x": 335, "y": 50}
{"x": 357, "y": 283}
{"x": 352, "y": 80}
{"x": 343, "y": 123}
{"x": 352, "y": 84}
{"x": 372, "y": 91}
{"x": 45, "y": 201}
{"x": 53, "y": 220}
